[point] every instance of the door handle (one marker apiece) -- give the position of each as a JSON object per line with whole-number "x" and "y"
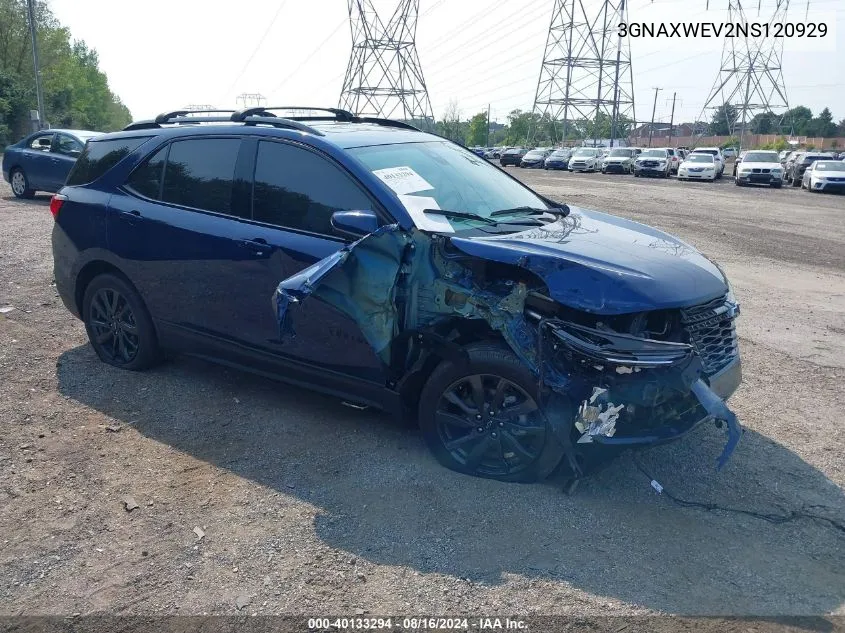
{"x": 257, "y": 245}
{"x": 131, "y": 216}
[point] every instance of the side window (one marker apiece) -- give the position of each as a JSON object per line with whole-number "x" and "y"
{"x": 41, "y": 143}
{"x": 67, "y": 145}
{"x": 100, "y": 156}
{"x": 200, "y": 173}
{"x": 299, "y": 189}
{"x": 146, "y": 179}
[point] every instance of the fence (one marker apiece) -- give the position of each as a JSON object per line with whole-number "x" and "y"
{"x": 750, "y": 140}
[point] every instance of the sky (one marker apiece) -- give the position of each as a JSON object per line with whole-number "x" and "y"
{"x": 162, "y": 55}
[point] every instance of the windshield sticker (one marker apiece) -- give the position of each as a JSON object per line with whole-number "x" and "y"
{"x": 403, "y": 179}
{"x": 416, "y": 206}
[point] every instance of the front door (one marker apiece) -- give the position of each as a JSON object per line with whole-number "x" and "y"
{"x": 36, "y": 162}
{"x": 295, "y": 192}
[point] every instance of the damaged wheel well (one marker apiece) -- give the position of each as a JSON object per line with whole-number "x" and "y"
{"x": 448, "y": 340}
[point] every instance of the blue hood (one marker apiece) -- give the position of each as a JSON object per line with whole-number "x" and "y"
{"x": 605, "y": 264}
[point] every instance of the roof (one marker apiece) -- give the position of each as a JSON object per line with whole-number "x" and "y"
{"x": 74, "y": 132}
{"x": 341, "y": 134}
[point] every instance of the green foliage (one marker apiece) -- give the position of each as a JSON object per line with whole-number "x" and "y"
{"x": 723, "y": 120}
{"x": 730, "y": 142}
{"x": 477, "y": 131}
{"x": 76, "y": 92}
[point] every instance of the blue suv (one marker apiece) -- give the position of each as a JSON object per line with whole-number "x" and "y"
{"x": 395, "y": 269}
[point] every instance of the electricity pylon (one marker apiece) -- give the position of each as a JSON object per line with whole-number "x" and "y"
{"x": 750, "y": 79}
{"x": 384, "y": 77}
{"x": 586, "y": 74}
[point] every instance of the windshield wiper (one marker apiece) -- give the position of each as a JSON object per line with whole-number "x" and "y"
{"x": 465, "y": 215}
{"x": 562, "y": 211}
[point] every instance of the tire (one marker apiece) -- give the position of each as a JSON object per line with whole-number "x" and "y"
{"x": 447, "y": 415}
{"x": 20, "y": 184}
{"x": 737, "y": 183}
{"x": 776, "y": 185}
{"x": 118, "y": 324}
{"x": 797, "y": 183}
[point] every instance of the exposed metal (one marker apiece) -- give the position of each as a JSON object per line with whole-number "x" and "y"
{"x": 384, "y": 76}
{"x": 586, "y": 69}
{"x": 751, "y": 74}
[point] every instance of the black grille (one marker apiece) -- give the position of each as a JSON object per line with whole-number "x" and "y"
{"x": 712, "y": 332}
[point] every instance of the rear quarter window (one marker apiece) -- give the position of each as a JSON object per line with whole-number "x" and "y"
{"x": 100, "y": 156}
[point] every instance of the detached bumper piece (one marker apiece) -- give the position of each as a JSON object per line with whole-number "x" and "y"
{"x": 643, "y": 391}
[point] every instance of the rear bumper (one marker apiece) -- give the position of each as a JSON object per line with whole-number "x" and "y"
{"x": 64, "y": 262}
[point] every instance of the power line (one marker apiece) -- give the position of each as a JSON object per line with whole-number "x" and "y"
{"x": 308, "y": 59}
{"x": 257, "y": 48}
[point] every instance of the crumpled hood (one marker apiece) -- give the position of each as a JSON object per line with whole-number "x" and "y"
{"x": 604, "y": 264}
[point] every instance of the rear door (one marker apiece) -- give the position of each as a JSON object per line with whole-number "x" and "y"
{"x": 65, "y": 150}
{"x": 295, "y": 191}
{"x": 179, "y": 226}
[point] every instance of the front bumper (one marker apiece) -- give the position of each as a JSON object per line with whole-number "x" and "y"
{"x": 581, "y": 167}
{"x": 616, "y": 168}
{"x": 556, "y": 164}
{"x": 531, "y": 164}
{"x": 817, "y": 185}
{"x": 643, "y": 391}
{"x": 649, "y": 171}
{"x": 759, "y": 179}
{"x": 697, "y": 175}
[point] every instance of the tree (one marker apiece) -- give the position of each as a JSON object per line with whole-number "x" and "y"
{"x": 76, "y": 91}
{"x": 797, "y": 119}
{"x": 450, "y": 126}
{"x": 763, "y": 123}
{"x": 477, "y": 131}
{"x": 723, "y": 120}
{"x": 519, "y": 124}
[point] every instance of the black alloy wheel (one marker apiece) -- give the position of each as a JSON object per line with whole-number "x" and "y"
{"x": 484, "y": 418}
{"x": 119, "y": 327}
{"x": 114, "y": 326}
{"x": 490, "y": 425}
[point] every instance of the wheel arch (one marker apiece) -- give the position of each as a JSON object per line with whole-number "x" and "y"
{"x": 91, "y": 271}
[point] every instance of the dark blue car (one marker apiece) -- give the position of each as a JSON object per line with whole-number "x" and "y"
{"x": 395, "y": 269}
{"x": 41, "y": 161}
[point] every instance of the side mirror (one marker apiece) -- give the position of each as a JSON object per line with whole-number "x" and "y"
{"x": 354, "y": 224}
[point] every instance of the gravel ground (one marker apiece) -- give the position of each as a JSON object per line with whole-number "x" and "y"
{"x": 308, "y": 507}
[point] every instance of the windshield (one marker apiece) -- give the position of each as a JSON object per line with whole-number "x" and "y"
{"x": 620, "y": 152}
{"x": 535, "y": 153}
{"x": 712, "y": 152}
{"x": 699, "y": 158}
{"x": 653, "y": 153}
{"x": 439, "y": 174}
{"x": 560, "y": 153}
{"x": 584, "y": 151}
{"x": 829, "y": 165}
{"x": 761, "y": 157}
{"x": 513, "y": 151}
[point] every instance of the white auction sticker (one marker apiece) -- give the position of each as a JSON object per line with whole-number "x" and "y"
{"x": 416, "y": 206}
{"x": 403, "y": 179}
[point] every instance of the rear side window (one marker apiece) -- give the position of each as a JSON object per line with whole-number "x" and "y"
{"x": 200, "y": 173}
{"x": 299, "y": 189}
{"x": 100, "y": 156}
{"x": 146, "y": 179}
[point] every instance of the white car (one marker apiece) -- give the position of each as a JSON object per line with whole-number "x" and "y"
{"x": 729, "y": 152}
{"x": 585, "y": 159}
{"x": 825, "y": 175}
{"x": 702, "y": 166}
{"x": 759, "y": 168}
{"x": 717, "y": 155}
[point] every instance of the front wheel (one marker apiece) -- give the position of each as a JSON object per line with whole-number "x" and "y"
{"x": 119, "y": 327}
{"x": 20, "y": 184}
{"x": 483, "y": 418}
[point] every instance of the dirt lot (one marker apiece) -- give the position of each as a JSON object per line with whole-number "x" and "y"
{"x": 308, "y": 507}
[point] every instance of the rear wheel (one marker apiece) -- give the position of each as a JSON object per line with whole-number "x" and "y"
{"x": 20, "y": 184}
{"x": 483, "y": 418}
{"x": 119, "y": 327}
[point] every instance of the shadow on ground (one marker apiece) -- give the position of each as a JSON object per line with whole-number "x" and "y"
{"x": 384, "y": 499}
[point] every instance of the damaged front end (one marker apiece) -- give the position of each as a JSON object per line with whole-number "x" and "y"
{"x": 621, "y": 380}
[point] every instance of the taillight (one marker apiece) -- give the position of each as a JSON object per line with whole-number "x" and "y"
{"x": 56, "y": 204}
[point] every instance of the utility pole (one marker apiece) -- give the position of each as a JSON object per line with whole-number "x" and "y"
{"x": 384, "y": 75}
{"x": 487, "y": 141}
{"x": 653, "y": 111}
{"x": 586, "y": 74}
{"x": 38, "y": 95}
{"x": 672, "y": 118}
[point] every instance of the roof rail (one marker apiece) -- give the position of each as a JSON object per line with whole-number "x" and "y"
{"x": 387, "y": 123}
{"x": 265, "y": 111}
{"x": 275, "y": 121}
{"x": 165, "y": 117}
